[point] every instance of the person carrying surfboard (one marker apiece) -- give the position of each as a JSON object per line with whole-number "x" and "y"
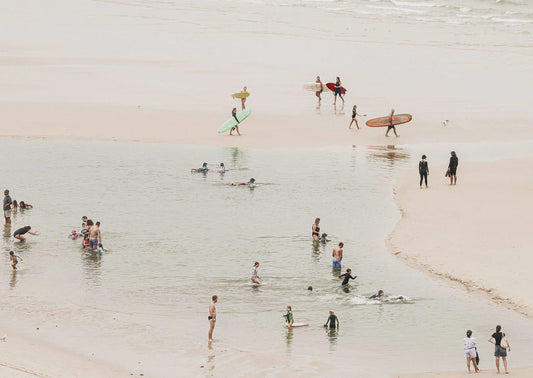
{"x": 338, "y": 90}
{"x": 234, "y": 115}
{"x": 391, "y": 126}
{"x": 243, "y": 100}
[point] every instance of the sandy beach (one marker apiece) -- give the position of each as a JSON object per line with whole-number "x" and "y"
{"x": 475, "y": 233}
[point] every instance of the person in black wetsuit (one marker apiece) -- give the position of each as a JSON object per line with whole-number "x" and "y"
{"x": 333, "y": 321}
{"x": 338, "y": 90}
{"x": 452, "y": 168}
{"x": 354, "y": 114}
{"x": 379, "y": 295}
{"x": 423, "y": 169}
{"x": 347, "y": 276}
{"x": 316, "y": 230}
{"x": 234, "y": 115}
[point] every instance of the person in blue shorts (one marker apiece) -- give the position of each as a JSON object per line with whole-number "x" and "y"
{"x": 337, "y": 256}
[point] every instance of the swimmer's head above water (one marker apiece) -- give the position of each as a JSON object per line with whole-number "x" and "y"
{"x": 252, "y": 180}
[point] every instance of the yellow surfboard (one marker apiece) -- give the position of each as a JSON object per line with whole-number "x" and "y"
{"x": 240, "y": 95}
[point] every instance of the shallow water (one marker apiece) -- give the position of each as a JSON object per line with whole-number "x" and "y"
{"x": 176, "y": 238}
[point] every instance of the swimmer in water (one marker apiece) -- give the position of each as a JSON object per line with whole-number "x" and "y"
{"x": 234, "y": 115}
{"x": 222, "y": 168}
{"x": 347, "y": 276}
{"x": 379, "y": 295}
{"x": 288, "y": 317}
{"x": 14, "y": 259}
{"x": 255, "y": 277}
{"x": 24, "y": 205}
{"x": 324, "y": 238}
{"x": 204, "y": 169}
{"x": 249, "y": 183}
{"x": 333, "y": 321}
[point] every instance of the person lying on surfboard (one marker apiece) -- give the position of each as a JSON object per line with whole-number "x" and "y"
{"x": 391, "y": 125}
{"x": 234, "y": 115}
{"x": 250, "y": 183}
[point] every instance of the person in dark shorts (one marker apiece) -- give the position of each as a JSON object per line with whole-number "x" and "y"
{"x": 423, "y": 170}
{"x": 452, "y": 168}
{"x": 7, "y": 207}
{"x": 315, "y": 233}
{"x": 332, "y": 320}
{"x": 338, "y": 90}
{"x": 391, "y": 127}
{"x": 501, "y": 344}
{"x": 354, "y": 114}
{"x": 236, "y": 128}
{"x": 19, "y": 234}
{"x": 14, "y": 259}
{"x": 347, "y": 276}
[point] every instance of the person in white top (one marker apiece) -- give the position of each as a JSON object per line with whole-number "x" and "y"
{"x": 255, "y": 277}
{"x": 470, "y": 350}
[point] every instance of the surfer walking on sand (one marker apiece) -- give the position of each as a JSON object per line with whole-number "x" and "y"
{"x": 243, "y": 100}
{"x": 452, "y": 168}
{"x": 391, "y": 126}
{"x": 212, "y": 316}
{"x": 354, "y": 114}
{"x": 337, "y": 256}
{"x": 423, "y": 169}
{"x": 338, "y": 90}
{"x": 319, "y": 91}
{"x": 234, "y": 115}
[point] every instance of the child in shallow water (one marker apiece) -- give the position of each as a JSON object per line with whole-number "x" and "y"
{"x": 85, "y": 242}
{"x": 101, "y": 248}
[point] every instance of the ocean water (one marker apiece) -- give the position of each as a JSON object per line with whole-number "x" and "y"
{"x": 176, "y": 238}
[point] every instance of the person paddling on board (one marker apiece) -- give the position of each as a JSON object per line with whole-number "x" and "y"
{"x": 234, "y": 115}
{"x": 288, "y": 317}
{"x": 319, "y": 91}
{"x": 391, "y": 126}
{"x": 354, "y": 114}
{"x": 333, "y": 321}
{"x": 249, "y": 183}
{"x": 243, "y": 100}
{"x": 338, "y": 90}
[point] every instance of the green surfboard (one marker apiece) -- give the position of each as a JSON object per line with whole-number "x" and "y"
{"x": 231, "y": 123}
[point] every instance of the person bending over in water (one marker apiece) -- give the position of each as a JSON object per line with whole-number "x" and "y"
{"x": 347, "y": 276}
{"x": 452, "y": 168}
{"x": 338, "y": 90}
{"x": 19, "y": 234}
{"x": 379, "y": 295}
{"x": 354, "y": 114}
{"x": 14, "y": 259}
{"x": 316, "y": 229}
{"x": 255, "y": 277}
{"x": 288, "y": 317}
{"x": 324, "y": 238}
{"x": 234, "y": 115}
{"x": 337, "y": 256}
{"x": 333, "y": 321}
{"x": 249, "y": 183}
{"x": 423, "y": 170}
{"x": 243, "y": 100}
{"x": 319, "y": 91}
{"x": 24, "y": 205}
{"x": 391, "y": 126}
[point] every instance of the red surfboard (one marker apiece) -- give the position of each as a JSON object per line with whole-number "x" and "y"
{"x": 331, "y": 87}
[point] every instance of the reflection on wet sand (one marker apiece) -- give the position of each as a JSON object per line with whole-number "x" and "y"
{"x": 332, "y": 334}
{"x": 92, "y": 263}
{"x": 389, "y": 154}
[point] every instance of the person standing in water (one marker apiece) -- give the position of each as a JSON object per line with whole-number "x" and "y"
{"x": 316, "y": 230}
{"x": 423, "y": 170}
{"x": 288, "y": 317}
{"x": 470, "y": 345}
{"x": 243, "y": 100}
{"x": 234, "y": 115}
{"x": 14, "y": 259}
{"x": 347, "y": 276}
{"x": 338, "y": 90}
{"x": 391, "y": 126}
{"x": 7, "y": 207}
{"x": 354, "y": 114}
{"x": 212, "y": 317}
{"x": 501, "y": 344}
{"x": 255, "y": 277}
{"x": 337, "y": 256}
{"x": 452, "y": 168}
{"x": 320, "y": 89}
{"x": 333, "y": 321}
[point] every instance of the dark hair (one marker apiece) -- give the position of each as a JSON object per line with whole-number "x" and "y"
{"x": 310, "y": 288}
{"x": 98, "y": 223}
{"x": 348, "y": 270}
{"x": 256, "y": 263}
{"x": 204, "y": 165}
{"x": 468, "y": 333}
{"x": 453, "y": 153}
{"x": 84, "y": 217}
{"x": 498, "y": 328}
{"x": 317, "y": 219}
{"x": 221, "y": 164}
{"x": 252, "y": 180}
{"x": 341, "y": 244}
{"x": 214, "y": 297}
{"x": 100, "y": 245}
{"x": 28, "y": 227}
{"x": 11, "y": 253}
{"x": 380, "y": 292}
{"x": 90, "y": 222}
{"x": 424, "y": 156}
{"x": 290, "y": 308}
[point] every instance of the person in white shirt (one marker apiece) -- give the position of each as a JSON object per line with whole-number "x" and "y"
{"x": 470, "y": 350}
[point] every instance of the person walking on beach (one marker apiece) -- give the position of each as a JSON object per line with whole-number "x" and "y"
{"x": 212, "y": 317}
{"x": 470, "y": 347}
{"x": 14, "y": 259}
{"x": 501, "y": 345}
{"x": 288, "y": 317}
{"x": 243, "y": 100}
{"x": 255, "y": 277}
{"x": 234, "y": 115}
{"x": 333, "y": 321}
{"x": 7, "y": 207}
{"x": 319, "y": 91}
{"x": 19, "y": 234}
{"x": 423, "y": 170}
{"x": 337, "y": 256}
{"x": 347, "y": 276}
{"x": 354, "y": 114}
{"x": 316, "y": 229}
{"x": 452, "y": 168}
{"x": 391, "y": 126}
{"x": 338, "y": 90}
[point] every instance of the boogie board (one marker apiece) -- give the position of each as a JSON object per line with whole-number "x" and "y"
{"x": 231, "y": 123}
{"x": 297, "y": 325}
{"x": 315, "y": 87}
{"x": 397, "y": 119}
{"x": 331, "y": 87}
{"x": 240, "y": 95}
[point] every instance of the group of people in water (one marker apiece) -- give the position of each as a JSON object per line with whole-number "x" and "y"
{"x": 91, "y": 235}
{"x": 223, "y": 169}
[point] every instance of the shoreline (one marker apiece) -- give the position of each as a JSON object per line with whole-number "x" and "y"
{"x": 483, "y": 244}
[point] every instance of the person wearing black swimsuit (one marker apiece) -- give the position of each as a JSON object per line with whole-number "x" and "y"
{"x": 354, "y": 114}
{"x": 316, "y": 230}
{"x": 338, "y": 90}
{"x": 234, "y": 115}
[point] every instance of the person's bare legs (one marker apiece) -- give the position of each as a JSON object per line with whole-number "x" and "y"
{"x": 211, "y": 328}
{"x": 505, "y": 364}
{"x": 454, "y": 179}
{"x": 468, "y": 364}
{"x": 21, "y": 238}
{"x": 341, "y": 98}
{"x": 356, "y": 124}
{"x": 237, "y": 128}
{"x": 395, "y": 133}
{"x": 475, "y": 365}
{"x": 243, "y": 100}
{"x": 350, "y": 125}
{"x": 498, "y": 365}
